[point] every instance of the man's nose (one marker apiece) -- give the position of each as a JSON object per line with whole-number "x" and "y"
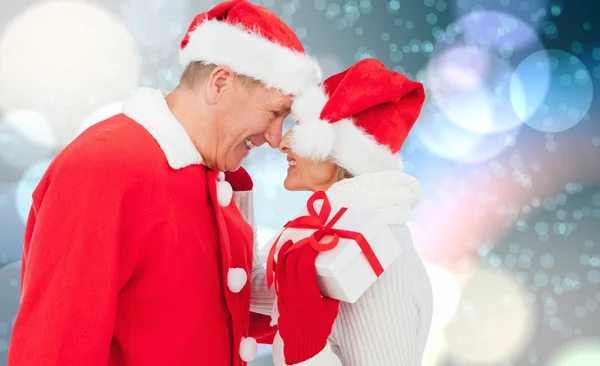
{"x": 273, "y": 135}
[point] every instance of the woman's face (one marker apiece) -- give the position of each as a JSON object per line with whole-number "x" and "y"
{"x": 304, "y": 174}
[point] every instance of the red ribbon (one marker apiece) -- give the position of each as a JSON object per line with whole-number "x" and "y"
{"x": 318, "y": 221}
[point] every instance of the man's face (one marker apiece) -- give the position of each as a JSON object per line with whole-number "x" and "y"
{"x": 245, "y": 119}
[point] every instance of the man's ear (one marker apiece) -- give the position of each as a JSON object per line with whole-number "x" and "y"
{"x": 219, "y": 81}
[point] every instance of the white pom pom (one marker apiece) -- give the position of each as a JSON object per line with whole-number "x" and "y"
{"x": 224, "y": 193}
{"x": 313, "y": 139}
{"x": 221, "y": 177}
{"x": 310, "y": 103}
{"x": 248, "y": 349}
{"x": 236, "y": 279}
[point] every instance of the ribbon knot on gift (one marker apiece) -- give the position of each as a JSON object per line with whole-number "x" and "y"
{"x": 319, "y": 222}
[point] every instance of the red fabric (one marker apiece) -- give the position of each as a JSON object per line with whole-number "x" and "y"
{"x": 126, "y": 260}
{"x": 305, "y": 317}
{"x": 261, "y": 329}
{"x": 384, "y": 103}
{"x": 249, "y": 17}
{"x": 240, "y": 180}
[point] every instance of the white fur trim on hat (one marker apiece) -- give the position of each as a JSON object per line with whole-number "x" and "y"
{"x": 313, "y": 139}
{"x": 250, "y": 54}
{"x": 359, "y": 153}
{"x": 248, "y": 349}
{"x": 348, "y": 145}
{"x": 309, "y": 103}
{"x": 224, "y": 193}
{"x": 236, "y": 279}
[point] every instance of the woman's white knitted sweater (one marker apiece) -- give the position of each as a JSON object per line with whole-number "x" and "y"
{"x": 389, "y": 324}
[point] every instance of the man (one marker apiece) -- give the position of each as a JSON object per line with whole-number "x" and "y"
{"x": 134, "y": 253}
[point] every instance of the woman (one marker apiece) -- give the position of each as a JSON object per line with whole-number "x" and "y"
{"x": 346, "y": 143}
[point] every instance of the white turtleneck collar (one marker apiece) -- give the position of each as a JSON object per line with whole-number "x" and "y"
{"x": 392, "y": 192}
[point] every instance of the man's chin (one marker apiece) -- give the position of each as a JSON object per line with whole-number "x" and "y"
{"x": 233, "y": 166}
{"x": 235, "y": 159}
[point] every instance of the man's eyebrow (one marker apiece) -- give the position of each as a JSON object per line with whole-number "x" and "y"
{"x": 282, "y": 108}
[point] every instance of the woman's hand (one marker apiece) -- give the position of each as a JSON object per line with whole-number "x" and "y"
{"x": 305, "y": 317}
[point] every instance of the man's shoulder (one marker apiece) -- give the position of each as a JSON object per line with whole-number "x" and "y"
{"x": 115, "y": 144}
{"x": 119, "y": 134}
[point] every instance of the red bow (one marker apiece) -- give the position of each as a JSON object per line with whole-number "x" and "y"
{"x": 318, "y": 221}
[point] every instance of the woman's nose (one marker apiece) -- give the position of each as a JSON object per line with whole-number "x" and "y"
{"x": 284, "y": 144}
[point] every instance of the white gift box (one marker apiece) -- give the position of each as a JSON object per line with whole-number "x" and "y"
{"x": 344, "y": 273}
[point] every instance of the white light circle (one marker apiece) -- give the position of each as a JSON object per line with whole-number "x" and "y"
{"x": 472, "y": 87}
{"x": 25, "y": 187}
{"x": 494, "y": 321}
{"x": 499, "y": 31}
{"x": 435, "y": 348}
{"x": 446, "y": 295}
{"x": 25, "y": 137}
{"x": 558, "y": 85}
{"x": 529, "y": 84}
{"x": 64, "y": 59}
{"x": 102, "y": 114}
{"x": 445, "y": 139}
{"x": 582, "y": 352}
{"x": 33, "y": 126}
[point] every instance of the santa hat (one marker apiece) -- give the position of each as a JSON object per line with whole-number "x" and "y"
{"x": 359, "y": 118}
{"x": 253, "y": 42}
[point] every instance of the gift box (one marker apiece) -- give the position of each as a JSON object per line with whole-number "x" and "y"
{"x": 365, "y": 246}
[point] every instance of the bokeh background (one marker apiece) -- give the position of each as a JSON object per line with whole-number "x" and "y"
{"x": 507, "y": 148}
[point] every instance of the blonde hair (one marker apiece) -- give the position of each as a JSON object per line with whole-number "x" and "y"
{"x": 198, "y": 71}
{"x": 342, "y": 174}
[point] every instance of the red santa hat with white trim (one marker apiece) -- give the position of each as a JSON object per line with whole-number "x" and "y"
{"x": 359, "y": 118}
{"x": 253, "y": 42}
